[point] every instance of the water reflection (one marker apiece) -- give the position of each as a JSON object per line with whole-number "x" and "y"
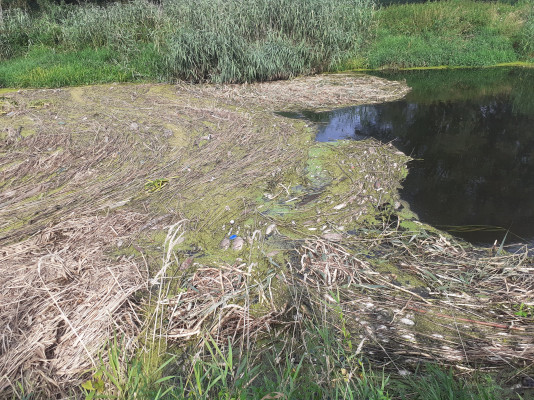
{"x": 472, "y": 135}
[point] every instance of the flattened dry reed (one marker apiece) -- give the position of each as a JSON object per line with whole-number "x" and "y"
{"x": 319, "y": 92}
{"x": 422, "y": 310}
{"x": 62, "y": 298}
{"x": 452, "y": 306}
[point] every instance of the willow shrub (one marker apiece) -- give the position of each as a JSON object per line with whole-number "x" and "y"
{"x": 204, "y": 40}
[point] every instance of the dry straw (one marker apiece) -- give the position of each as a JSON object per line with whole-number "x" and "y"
{"x": 62, "y": 299}
{"x": 65, "y": 212}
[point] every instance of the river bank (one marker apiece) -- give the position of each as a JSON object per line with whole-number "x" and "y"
{"x": 70, "y": 45}
{"x": 180, "y": 218}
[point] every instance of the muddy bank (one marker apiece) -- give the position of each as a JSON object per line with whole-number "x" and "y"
{"x": 209, "y": 193}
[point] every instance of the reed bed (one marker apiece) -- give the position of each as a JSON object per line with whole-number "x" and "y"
{"x": 332, "y": 299}
{"x": 71, "y": 219}
{"x": 461, "y": 311}
{"x": 449, "y": 320}
{"x": 217, "y": 41}
{"x": 319, "y": 92}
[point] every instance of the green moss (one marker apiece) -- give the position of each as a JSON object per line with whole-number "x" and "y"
{"x": 40, "y": 103}
{"x": 404, "y": 277}
{"x": 7, "y": 90}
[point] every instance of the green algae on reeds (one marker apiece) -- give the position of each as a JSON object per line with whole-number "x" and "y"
{"x": 75, "y": 189}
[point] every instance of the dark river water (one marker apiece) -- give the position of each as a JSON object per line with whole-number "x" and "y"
{"x": 471, "y": 134}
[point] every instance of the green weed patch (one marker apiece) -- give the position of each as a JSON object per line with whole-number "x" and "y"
{"x": 451, "y": 33}
{"x": 46, "y": 67}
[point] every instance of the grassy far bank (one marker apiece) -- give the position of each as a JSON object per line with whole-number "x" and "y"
{"x": 453, "y": 33}
{"x": 227, "y": 41}
{"x": 217, "y": 41}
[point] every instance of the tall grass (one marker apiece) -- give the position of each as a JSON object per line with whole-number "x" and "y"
{"x": 453, "y": 33}
{"x": 205, "y": 40}
{"x": 527, "y": 33}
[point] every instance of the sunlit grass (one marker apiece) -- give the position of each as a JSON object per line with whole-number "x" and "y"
{"x": 207, "y": 40}
{"x": 43, "y": 67}
{"x": 452, "y": 33}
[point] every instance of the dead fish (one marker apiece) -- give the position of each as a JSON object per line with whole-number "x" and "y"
{"x": 187, "y": 263}
{"x": 333, "y": 237}
{"x": 238, "y": 243}
{"x": 340, "y": 206}
{"x": 270, "y": 229}
{"x": 225, "y": 244}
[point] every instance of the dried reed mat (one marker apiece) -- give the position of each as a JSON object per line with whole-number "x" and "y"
{"x": 212, "y": 301}
{"x": 62, "y": 298}
{"x": 312, "y": 92}
{"x": 438, "y": 302}
{"x": 77, "y": 149}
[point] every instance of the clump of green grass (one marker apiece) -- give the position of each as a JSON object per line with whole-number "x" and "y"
{"x": 206, "y": 40}
{"x": 451, "y": 33}
{"x": 437, "y": 383}
{"x": 44, "y": 67}
{"x": 328, "y": 370}
{"x": 219, "y": 372}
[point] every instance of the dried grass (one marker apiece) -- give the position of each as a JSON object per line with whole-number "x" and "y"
{"x": 73, "y": 171}
{"x": 425, "y": 311}
{"x": 438, "y": 302}
{"x": 62, "y": 298}
{"x": 194, "y": 299}
{"x": 320, "y": 92}
{"x": 459, "y": 311}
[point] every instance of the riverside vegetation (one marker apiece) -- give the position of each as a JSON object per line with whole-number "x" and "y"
{"x": 127, "y": 285}
{"x": 255, "y": 40}
{"x": 119, "y": 261}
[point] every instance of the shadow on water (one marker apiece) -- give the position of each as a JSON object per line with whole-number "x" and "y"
{"x": 471, "y": 133}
